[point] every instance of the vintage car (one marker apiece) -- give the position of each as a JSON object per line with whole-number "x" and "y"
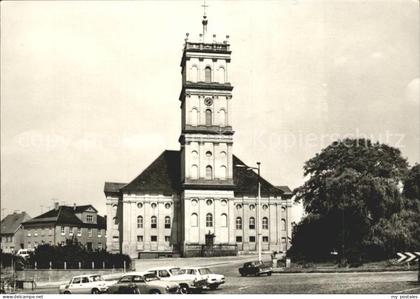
{"x": 84, "y": 284}
{"x": 144, "y": 283}
{"x": 188, "y": 283}
{"x": 255, "y": 268}
{"x": 213, "y": 280}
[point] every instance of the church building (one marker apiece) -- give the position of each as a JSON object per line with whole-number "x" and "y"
{"x": 200, "y": 199}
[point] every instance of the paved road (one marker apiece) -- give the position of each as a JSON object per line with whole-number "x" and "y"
{"x": 299, "y": 283}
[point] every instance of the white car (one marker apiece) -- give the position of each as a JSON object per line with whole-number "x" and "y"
{"x": 85, "y": 284}
{"x": 188, "y": 283}
{"x": 24, "y": 253}
{"x": 213, "y": 280}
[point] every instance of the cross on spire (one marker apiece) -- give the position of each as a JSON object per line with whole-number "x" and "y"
{"x": 204, "y": 7}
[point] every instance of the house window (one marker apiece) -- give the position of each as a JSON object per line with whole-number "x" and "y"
{"x": 209, "y": 172}
{"x": 35, "y": 233}
{"x": 238, "y": 206}
{"x": 140, "y": 239}
{"x": 209, "y": 121}
{"x": 29, "y": 233}
{"x": 265, "y": 207}
{"x": 194, "y": 117}
{"x": 265, "y": 223}
{"x": 167, "y": 239}
{"x": 167, "y": 205}
{"x": 207, "y": 74}
{"x": 194, "y": 219}
{"x": 89, "y": 232}
{"x": 251, "y": 207}
{"x": 99, "y": 246}
{"x": 153, "y": 238}
{"x": 238, "y": 223}
{"x": 153, "y": 205}
{"x": 283, "y": 224}
{"x": 224, "y": 220}
{"x": 89, "y": 219}
{"x": 238, "y": 239}
{"x": 63, "y": 231}
{"x": 153, "y": 222}
{"x": 42, "y": 232}
{"x": 167, "y": 222}
{"x": 140, "y": 222}
{"x": 71, "y": 231}
{"x": 252, "y": 239}
{"x": 99, "y": 233}
{"x": 139, "y": 205}
{"x": 223, "y": 172}
{"x": 79, "y": 231}
{"x": 209, "y": 220}
{"x": 252, "y": 223}
{"x": 265, "y": 239}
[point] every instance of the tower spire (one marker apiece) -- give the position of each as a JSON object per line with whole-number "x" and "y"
{"x": 205, "y": 21}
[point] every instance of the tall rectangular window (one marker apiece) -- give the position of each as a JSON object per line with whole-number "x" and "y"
{"x": 153, "y": 238}
{"x": 89, "y": 218}
{"x": 140, "y": 239}
{"x": 63, "y": 230}
{"x": 153, "y": 223}
{"x": 89, "y": 232}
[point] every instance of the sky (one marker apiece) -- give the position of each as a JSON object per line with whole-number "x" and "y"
{"x": 89, "y": 90}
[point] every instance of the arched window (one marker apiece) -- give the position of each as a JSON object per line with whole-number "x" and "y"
{"x": 167, "y": 222}
{"x": 194, "y": 172}
{"x": 194, "y": 219}
{"x": 194, "y": 74}
{"x": 153, "y": 223}
{"x": 222, "y": 117}
{"x": 115, "y": 219}
{"x": 194, "y": 117}
{"x": 265, "y": 223}
{"x": 139, "y": 222}
{"x": 221, "y": 74}
{"x": 209, "y": 220}
{"x": 209, "y": 172}
{"x": 208, "y": 117}
{"x": 283, "y": 224}
{"x": 224, "y": 219}
{"x": 238, "y": 223}
{"x": 252, "y": 223}
{"x": 207, "y": 74}
{"x": 223, "y": 173}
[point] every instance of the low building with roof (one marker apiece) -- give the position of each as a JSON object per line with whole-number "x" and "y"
{"x": 11, "y": 232}
{"x": 56, "y": 226}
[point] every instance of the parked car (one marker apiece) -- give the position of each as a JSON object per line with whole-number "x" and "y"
{"x": 24, "y": 253}
{"x": 255, "y": 268}
{"x": 188, "y": 283}
{"x": 145, "y": 283}
{"x": 213, "y": 281}
{"x": 85, "y": 284}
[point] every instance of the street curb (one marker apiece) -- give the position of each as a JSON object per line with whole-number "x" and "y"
{"x": 282, "y": 271}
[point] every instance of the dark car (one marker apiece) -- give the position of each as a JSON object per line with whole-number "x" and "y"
{"x": 255, "y": 268}
{"x": 143, "y": 283}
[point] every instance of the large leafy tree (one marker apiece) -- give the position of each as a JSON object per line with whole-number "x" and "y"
{"x": 352, "y": 185}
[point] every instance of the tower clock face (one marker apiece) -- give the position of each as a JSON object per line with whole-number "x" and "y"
{"x": 208, "y": 101}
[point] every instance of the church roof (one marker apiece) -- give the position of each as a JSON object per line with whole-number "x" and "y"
{"x": 163, "y": 176}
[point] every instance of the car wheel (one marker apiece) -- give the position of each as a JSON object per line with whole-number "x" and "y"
{"x": 154, "y": 292}
{"x": 95, "y": 291}
{"x": 66, "y": 292}
{"x": 184, "y": 289}
{"x": 257, "y": 274}
{"x": 243, "y": 274}
{"x": 269, "y": 274}
{"x": 213, "y": 287}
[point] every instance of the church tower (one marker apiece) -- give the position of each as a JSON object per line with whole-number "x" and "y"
{"x": 206, "y": 140}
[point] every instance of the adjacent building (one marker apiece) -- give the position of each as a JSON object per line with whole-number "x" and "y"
{"x": 66, "y": 222}
{"x": 11, "y": 232}
{"x": 201, "y": 196}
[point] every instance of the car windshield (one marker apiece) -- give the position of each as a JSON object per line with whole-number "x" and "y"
{"x": 96, "y": 278}
{"x": 150, "y": 277}
{"x": 175, "y": 271}
{"x": 204, "y": 271}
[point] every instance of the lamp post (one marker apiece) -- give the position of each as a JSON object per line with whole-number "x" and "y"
{"x": 258, "y": 205}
